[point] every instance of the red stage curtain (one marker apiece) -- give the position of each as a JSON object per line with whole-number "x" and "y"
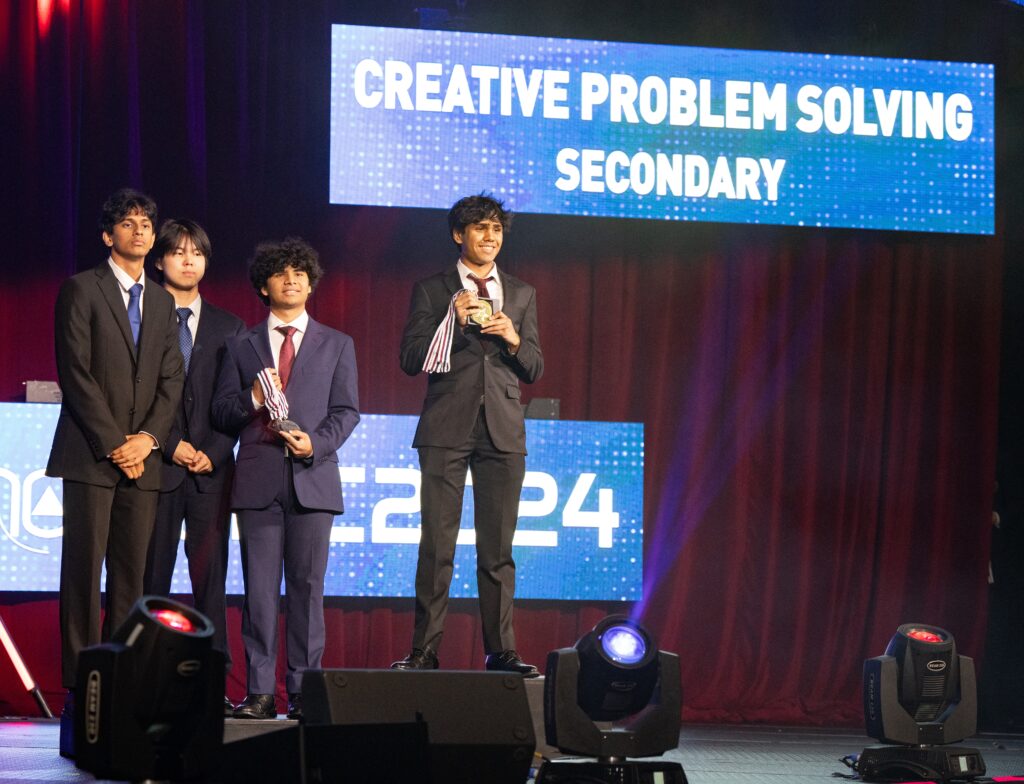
{"x": 820, "y": 406}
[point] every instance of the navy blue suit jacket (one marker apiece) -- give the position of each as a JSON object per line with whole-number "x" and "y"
{"x": 193, "y": 421}
{"x": 323, "y": 399}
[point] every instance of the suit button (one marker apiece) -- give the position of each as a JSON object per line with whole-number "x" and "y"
{"x": 131, "y": 410}
{"x": 138, "y": 380}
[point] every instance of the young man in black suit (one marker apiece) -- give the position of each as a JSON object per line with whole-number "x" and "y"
{"x": 120, "y": 371}
{"x": 473, "y": 329}
{"x": 198, "y": 458}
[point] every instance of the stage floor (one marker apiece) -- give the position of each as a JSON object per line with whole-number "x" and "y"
{"x": 710, "y": 754}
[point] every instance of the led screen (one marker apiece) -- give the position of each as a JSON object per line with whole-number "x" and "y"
{"x": 580, "y": 527}
{"x": 420, "y": 118}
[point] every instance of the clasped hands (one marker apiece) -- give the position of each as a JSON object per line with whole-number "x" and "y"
{"x": 195, "y": 460}
{"x": 498, "y": 324}
{"x": 298, "y": 442}
{"x": 130, "y": 456}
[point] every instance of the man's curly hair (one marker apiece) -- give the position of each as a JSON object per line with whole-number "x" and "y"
{"x": 271, "y": 258}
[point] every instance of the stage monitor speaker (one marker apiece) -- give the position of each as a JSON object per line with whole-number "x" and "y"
{"x": 478, "y": 723}
{"x": 396, "y": 754}
{"x": 543, "y": 408}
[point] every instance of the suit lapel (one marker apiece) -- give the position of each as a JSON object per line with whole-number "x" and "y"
{"x": 453, "y": 282}
{"x": 310, "y": 343}
{"x": 259, "y": 339}
{"x": 204, "y": 333}
{"x": 511, "y": 306}
{"x": 111, "y": 292}
{"x": 154, "y": 322}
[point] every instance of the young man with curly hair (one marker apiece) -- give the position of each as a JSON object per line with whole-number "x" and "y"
{"x": 286, "y": 490}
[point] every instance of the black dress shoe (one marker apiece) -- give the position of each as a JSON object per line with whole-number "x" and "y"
{"x": 257, "y": 706}
{"x": 509, "y": 661}
{"x": 295, "y": 705}
{"x": 229, "y": 708}
{"x": 419, "y": 659}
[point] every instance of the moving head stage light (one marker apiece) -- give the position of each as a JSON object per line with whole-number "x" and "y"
{"x": 614, "y": 673}
{"x": 149, "y": 703}
{"x": 920, "y": 696}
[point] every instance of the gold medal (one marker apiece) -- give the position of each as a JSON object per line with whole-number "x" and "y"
{"x": 483, "y": 314}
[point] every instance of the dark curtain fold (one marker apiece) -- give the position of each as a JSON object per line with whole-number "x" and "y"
{"x": 820, "y": 406}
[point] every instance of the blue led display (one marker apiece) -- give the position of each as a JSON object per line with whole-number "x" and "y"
{"x": 580, "y": 530}
{"x": 420, "y": 118}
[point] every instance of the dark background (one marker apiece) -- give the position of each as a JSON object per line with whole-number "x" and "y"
{"x": 826, "y": 409}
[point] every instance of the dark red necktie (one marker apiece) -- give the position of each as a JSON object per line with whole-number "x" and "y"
{"x": 481, "y": 285}
{"x": 287, "y": 356}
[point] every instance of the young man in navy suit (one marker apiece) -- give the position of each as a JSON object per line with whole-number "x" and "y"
{"x": 198, "y": 458}
{"x": 473, "y": 329}
{"x": 120, "y": 371}
{"x": 286, "y": 489}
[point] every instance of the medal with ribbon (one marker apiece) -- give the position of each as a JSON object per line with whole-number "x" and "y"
{"x": 276, "y": 402}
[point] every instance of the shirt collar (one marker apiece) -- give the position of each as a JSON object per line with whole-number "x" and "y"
{"x": 465, "y": 272}
{"x": 195, "y": 306}
{"x": 124, "y": 280}
{"x": 300, "y": 323}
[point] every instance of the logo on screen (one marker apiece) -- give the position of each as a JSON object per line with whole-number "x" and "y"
{"x": 32, "y": 512}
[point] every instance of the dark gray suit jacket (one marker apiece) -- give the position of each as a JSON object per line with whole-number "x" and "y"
{"x": 482, "y": 371}
{"x": 193, "y": 422}
{"x": 109, "y": 390}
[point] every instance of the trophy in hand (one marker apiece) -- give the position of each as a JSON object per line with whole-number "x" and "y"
{"x": 276, "y": 402}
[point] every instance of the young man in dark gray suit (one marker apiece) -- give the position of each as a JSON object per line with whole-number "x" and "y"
{"x": 473, "y": 329}
{"x": 120, "y": 371}
{"x": 199, "y": 459}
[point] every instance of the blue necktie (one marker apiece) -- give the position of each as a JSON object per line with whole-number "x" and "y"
{"x": 134, "y": 312}
{"x": 185, "y": 335}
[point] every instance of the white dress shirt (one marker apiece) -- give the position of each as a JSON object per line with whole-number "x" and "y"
{"x": 125, "y": 282}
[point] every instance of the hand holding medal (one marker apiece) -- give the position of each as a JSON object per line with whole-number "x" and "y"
{"x": 472, "y": 309}
{"x": 276, "y": 402}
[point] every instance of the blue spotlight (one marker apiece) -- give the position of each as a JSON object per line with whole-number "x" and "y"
{"x": 624, "y": 643}
{"x": 614, "y": 673}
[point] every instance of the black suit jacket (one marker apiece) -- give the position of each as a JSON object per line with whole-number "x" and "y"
{"x": 482, "y": 371}
{"x": 192, "y": 421}
{"x": 109, "y": 390}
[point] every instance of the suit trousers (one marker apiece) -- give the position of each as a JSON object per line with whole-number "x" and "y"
{"x": 497, "y": 485}
{"x": 207, "y": 519}
{"x": 100, "y": 522}
{"x": 283, "y": 533}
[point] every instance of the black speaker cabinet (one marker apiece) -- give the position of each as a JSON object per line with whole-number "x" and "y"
{"x": 354, "y": 754}
{"x": 478, "y": 724}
